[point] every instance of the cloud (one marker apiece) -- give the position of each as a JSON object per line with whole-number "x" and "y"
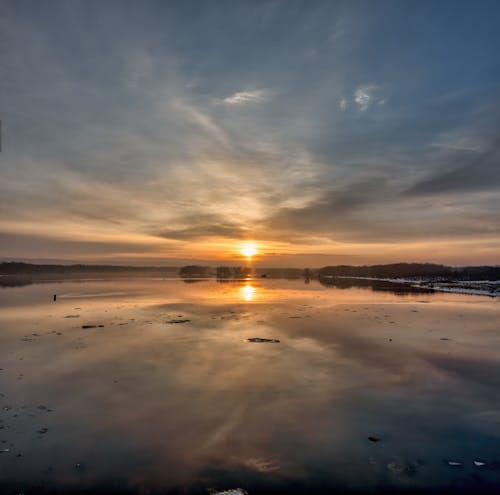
{"x": 244, "y": 97}
{"x": 229, "y": 231}
{"x": 203, "y": 225}
{"x": 20, "y": 245}
{"x": 481, "y": 172}
{"x": 339, "y": 30}
{"x": 364, "y": 97}
{"x": 376, "y": 210}
{"x": 332, "y": 215}
{"x": 202, "y": 121}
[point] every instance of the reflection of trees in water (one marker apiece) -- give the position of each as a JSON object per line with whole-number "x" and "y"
{"x": 234, "y": 281}
{"x": 13, "y": 281}
{"x": 20, "y": 281}
{"x": 225, "y": 272}
{"x": 375, "y": 285}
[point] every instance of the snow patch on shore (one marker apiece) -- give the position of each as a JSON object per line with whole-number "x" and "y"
{"x": 489, "y": 288}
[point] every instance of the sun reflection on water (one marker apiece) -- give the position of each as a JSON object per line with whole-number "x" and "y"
{"x": 248, "y": 292}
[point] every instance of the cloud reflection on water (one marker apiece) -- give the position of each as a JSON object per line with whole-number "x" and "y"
{"x": 150, "y": 405}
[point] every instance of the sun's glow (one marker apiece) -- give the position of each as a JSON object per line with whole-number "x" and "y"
{"x": 248, "y": 250}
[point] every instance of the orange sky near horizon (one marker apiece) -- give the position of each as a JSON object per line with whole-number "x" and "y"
{"x": 89, "y": 246}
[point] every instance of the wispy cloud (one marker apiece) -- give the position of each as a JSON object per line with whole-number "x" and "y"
{"x": 339, "y": 30}
{"x": 244, "y": 97}
{"x": 203, "y": 121}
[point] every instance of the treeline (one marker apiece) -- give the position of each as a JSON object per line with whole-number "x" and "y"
{"x": 413, "y": 270}
{"x": 395, "y": 270}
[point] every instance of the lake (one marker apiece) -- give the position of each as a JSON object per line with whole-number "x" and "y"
{"x": 370, "y": 389}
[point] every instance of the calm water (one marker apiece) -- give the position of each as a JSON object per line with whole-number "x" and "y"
{"x": 146, "y": 405}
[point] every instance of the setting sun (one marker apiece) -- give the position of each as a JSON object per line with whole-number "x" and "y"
{"x": 248, "y": 250}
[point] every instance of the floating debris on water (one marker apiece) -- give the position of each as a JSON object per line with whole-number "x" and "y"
{"x": 259, "y": 339}
{"x": 454, "y": 463}
{"x": 374, "y": 439}
{"x": 397, "y": 468}
{"x": 178, "y": 321}
{"x": 92, "y": 326}
{"x": 261, "y": 465}
{"x": 43, "y": 430}
{"x": 233, "y": 491}
{"x": 479, "y": 463}
{"x": 72, "y": 316}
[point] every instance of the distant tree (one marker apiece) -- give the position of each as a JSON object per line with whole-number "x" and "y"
{"x": 224, "y": 272}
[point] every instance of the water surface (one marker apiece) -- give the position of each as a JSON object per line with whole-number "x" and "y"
{"x": 152, "y": 403}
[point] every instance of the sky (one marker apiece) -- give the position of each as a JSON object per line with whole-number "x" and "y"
{"x": 324, "y": 132}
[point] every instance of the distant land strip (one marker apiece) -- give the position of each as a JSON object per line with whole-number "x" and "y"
{"x": 394, "y": 270}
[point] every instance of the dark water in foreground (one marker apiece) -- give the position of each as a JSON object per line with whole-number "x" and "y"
{"x": 146, "y": 405}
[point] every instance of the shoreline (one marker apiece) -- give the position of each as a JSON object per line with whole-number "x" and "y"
{"x": 490, "y": 288}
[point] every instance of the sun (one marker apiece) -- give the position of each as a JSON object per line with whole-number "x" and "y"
{"x": 248, "y": 250}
